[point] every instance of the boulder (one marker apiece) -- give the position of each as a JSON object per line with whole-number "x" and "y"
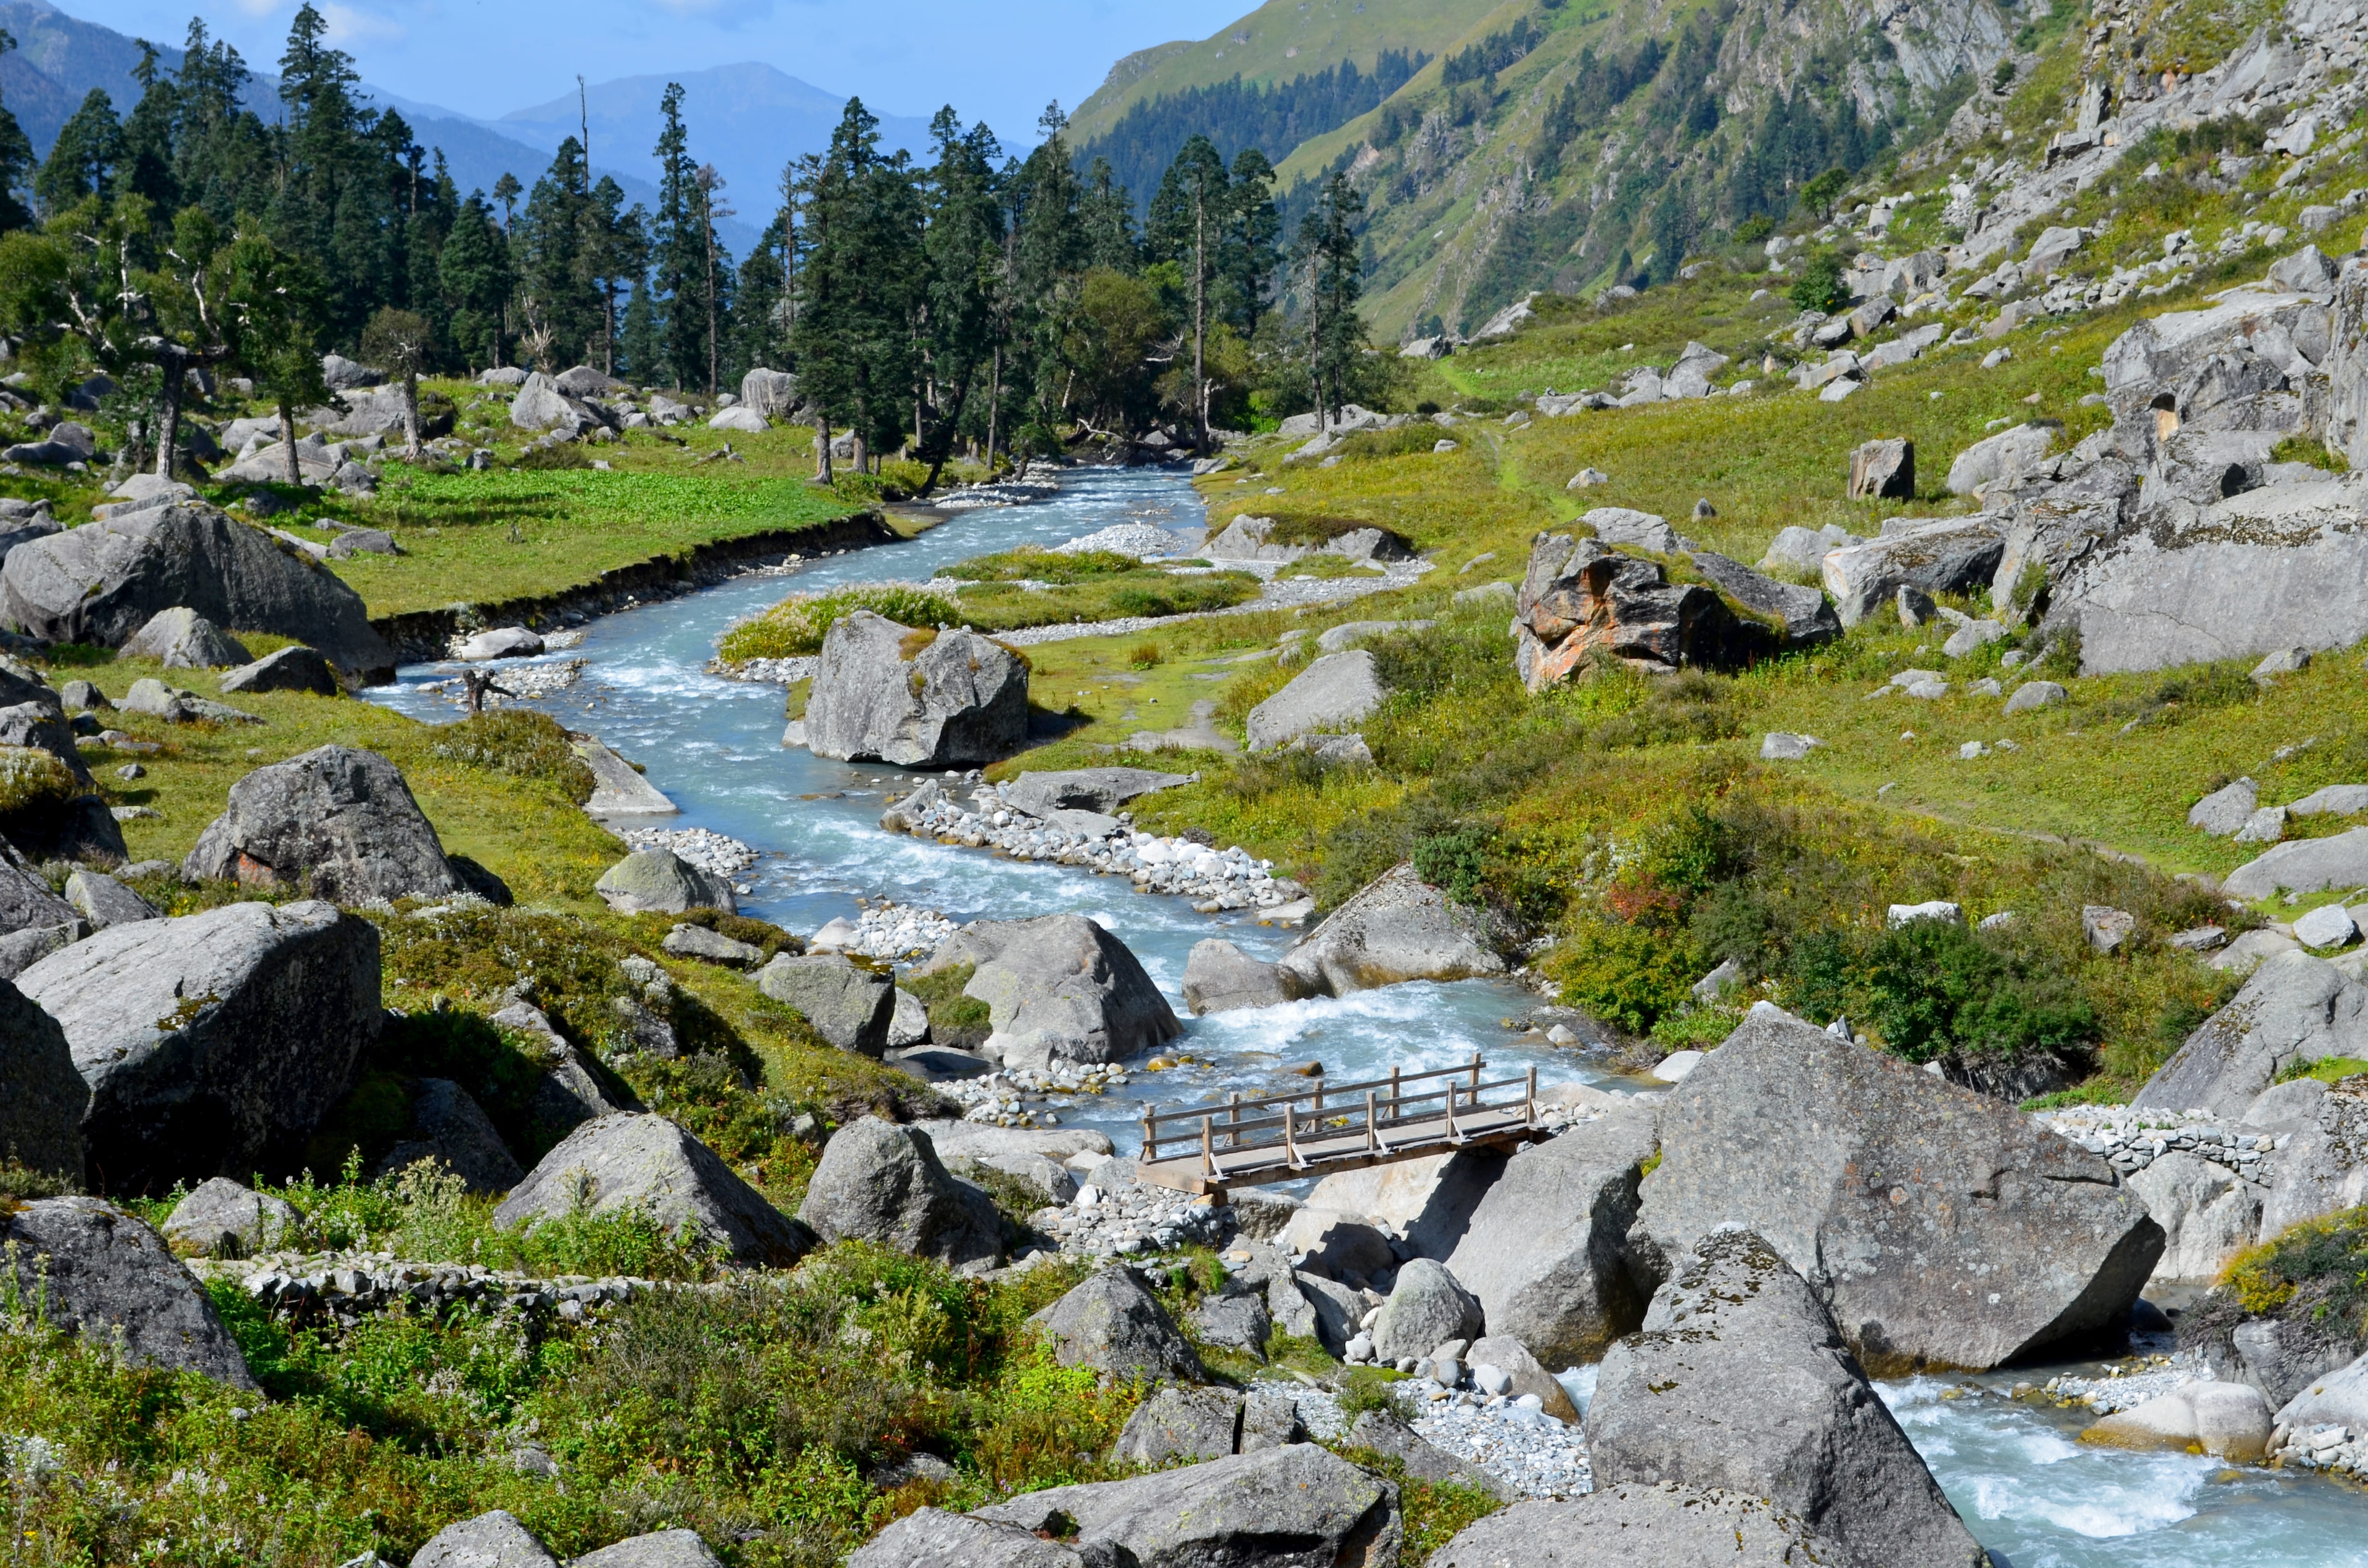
{"x": 915, "y": 698}
{"x": 1101, "y": 790}
{"x": 1398, "y": 928}
{"x": 2032, "y": 695}
{"x": 1379, "y": 1431}
{"x": 540, "y": 406}
{"x": 1340, "y": 1247}
{"x": 2207, "y": 1214}
{"x": 1801, "y": 615}
{"x": 2324, "y": 1167}
{"x": 102, "y": 581}
{"x": 1740, "y": 1380}
{"x": 1631, "y": 1525}
{"x": 1524, "y": 1373}
{"x": 1638, "y": 530}
{"x": 880, "y": 1182}
{"x": 1234, "y": 1320}
{"x": 1113, "y": 1324}
{"x": 659, "y": 880}
{"x": 572, "y": 1091}
{"x": 292, "y": 668}
{"x": 451, "y": 1130}
{"x": 1544, "y": 1250}
{"x": 740, "y": 420}
{"x": 1332, "y": 692}
{"x": 1884, "y": 470}
{"x": 338, "y": 821}
{"x": 501, "y": 643}
{"x": 931, "y": 1538}
{"x": 1579, "y": 599}
{"x": 181, "y": 639}
{"x": 712, "y": 947}
{"x": 1176, "y": 1424}
{"x": 1796, "y": 549}
{"x": 2001, "y": 456}
{"x": 1426, "y": 1308}
{"x": 849, "y": 1005}
{"x": 618, "y": 789}
{"x": 2338, "y": 1398}
{"x": 773, "y": 393}
{"x": 1857, "y": 1164}
{"x": 2295, "y": 1009}
{"x": 41, "y": 1111}
{"x": 1221, "y": 978}
{"x": 2306, "y": 865}
{"x": 108, "y": 1276}
{"x": 2228, "y": 1421}
{"x": 1428, "y": 1201}
{"x": 1058, "y": 989}
{"x": 2288, "y": 1106}
{"x": 489, "y": 1540}
{"x": 659, "y": 1548}
{"x": 2237, "y": 364}
{"x": 221, "y": 1219}
{"x": 341, "y": 374}
{"x": 1945, "y": 556}
{"x": 647, "y": 1162}
{"x": 214, "y": 1043}
{"x": 1299, "y": 1507}
{"x": 2334, "y": 799}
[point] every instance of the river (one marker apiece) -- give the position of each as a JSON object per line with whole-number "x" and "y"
{"x": 713, "y": 746}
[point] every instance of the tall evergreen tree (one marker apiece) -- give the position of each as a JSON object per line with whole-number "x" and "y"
{"x": 964, "y": 248}
{"x": 678, "y": 247}
{"x": 1107, "y": 210}
{"x": 1327, "y": 256}
{"x": 1190, "y": 215}
{"x": 475, "y": 272}
{"x": 15, "y": 161}
{"x": 552, "y": 248}
{"x": 146, "y": 166}
{"x": 1049, "y": 261}
{"x": 83, "y": 159}
{"x": 862, "y": 284}
{"x": 1250, "y": 257}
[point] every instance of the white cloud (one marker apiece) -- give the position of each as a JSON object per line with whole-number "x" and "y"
{"x": 348, "y": 27}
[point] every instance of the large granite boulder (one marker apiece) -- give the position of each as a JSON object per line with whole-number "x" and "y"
{"x": 1428, "y": 1201}
{"x": 221, "y": 1219}
{"x": 647, "y": 1162}
{"x": 104, "y": 902}
{"x": 336, "y": 821}
{"x": 2239, "y": 363}
{"x": 1330, "y": 694}
{"x": 1427, "y": 1308}
{"x": 1297, "y": 1507}
{"x": 214, "y": 1043}
{"x": 292, "y": 668}
{"x": 1113, "y": 1324}
{"x": 1545, "y": 1248}
{"x": 108, "y": 1276}
{"x": 659, "y": 880}
{"x": 2303, "y": 864}
{"x": 1580, "y": 598}
{"x": 1059, "y": 989}
{"x": 773, "y": 393}
{"x": 488, "y": 1540}
{"x": 880, "y": 1182}
{"x": 931, "y": 1538}
{"x": 1398, "y": 928}
{"x": 1634, "y": 1525}
{"x": 181, "y": 639}
{"x": 42, "y": 1095}
{"x": 451, "y": 1130}
{"x": 917, "y": 698}
{"x": 658, "y": 1549}
{"x": 2229, "y": 1421}
{"x": 849, "y": 1005}
{"x": 1946, "y": 556}
{"x": 101, "y": 583}
{"x": 1943, "y": 1226}
{"x": 2325, "y": 1166}
{"x": 1187, "y": 1424}
{"x": 2000, "y": 456}
{"x": 1103, "y": 790}
{"x": 2295, "y": 1009}
{"x": 2208, "y": 1213}
{"x": 1739, "y": 1380}
{"x": 1219, "y": 978}
{"x": 1801, "y": 615}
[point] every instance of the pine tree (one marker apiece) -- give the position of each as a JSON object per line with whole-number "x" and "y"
{"x": 863, "y": 286}
{"x": 1250, "y": 257}
{"x": 1327, "y": 256}
{"x": 475, "y": 272}
{"x": 678, "y": 247}
{"x": 1107, "y": 211}
{"x": 552, "y": 247}
{"x": 146, "y": 160}
{"x": 964, "y": 247}
{"x": 15, "y": 161}
{"x": 1189, "y": 214}
{"x": 83, "y": 159}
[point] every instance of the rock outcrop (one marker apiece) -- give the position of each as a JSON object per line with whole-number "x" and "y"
{"x": 1113, "y": 1324}
{"x": 489, "y": 1540}
{"x": 292, "y": 668}
{"x": 647, "y": 1162}
{"x": 1857, "y": 1167}
{"x": 336, "y": 821}
{"x": 102, "y": 581}
{"x": 849, "y": 1005}
{"x": 1634, "y": 1525}
{"x": 212, "y": 1044}
{"x": 879, "y": 1182}
{"x": 44, "y": 1097}
{"x": 1398, "y": 928}
{"x": 917, "y": 698}
{"x": 2295, "y": 1009}
{"x": 108, "y": 1276}
{"x": 1945, "y": 556}
{"x": 1740, "y": 1381}
{"x": 1579, "y": 599}
{"x": 1059, "y": 989}
{"x": 1103, "y": 790}
{"x": 1333, "y": 692}
{"x": 181, "y": 639}
{"x": 659, "y": 880}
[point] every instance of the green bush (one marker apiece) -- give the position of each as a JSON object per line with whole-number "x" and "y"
{"x": 520, "y": 743}
{"x": 795, "y": 628}
{"x": 1931, "y": 987}
{"x": 1031, "y": 563}
{"x": 1407, "y": 440}
{"x": 558, "y": 456}
{"x": 956, "y": 1021}
{"x": 1820, "y": 288}
{"x": 32, "y": 779}
{"x": 1625, "y": 975}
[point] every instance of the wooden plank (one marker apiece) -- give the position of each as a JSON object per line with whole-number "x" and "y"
{"x": 1337, "y": 1150}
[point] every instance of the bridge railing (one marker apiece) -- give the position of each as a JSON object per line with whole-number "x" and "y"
{"x": 1429, "y": 1108}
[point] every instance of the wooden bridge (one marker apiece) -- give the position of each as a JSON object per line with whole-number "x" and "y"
{"x": 1343, "y": 1127}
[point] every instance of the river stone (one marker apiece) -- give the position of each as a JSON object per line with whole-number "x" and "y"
{"x": 1527, "y": 1375}
{"x": 501, "y": 643}
{"x": 2304, "y": 866}
{"x": 658, "y": 880}
{"x": 1631, "y": 1525}
{"x": 452, "y": 1130}
{"x": 848, "y": 1005}
{"x": 2000, "y": 457}
{"x": 101, "y": 583}
{"x": 1332, "y": 693}
{"x": 1544, "y": 1250}
{"x": 1221, "y": 978}
{"x": 1427, "y": 1308}
{"x": 1113, "y": 1324}
{"x": 1300, "y": 1506}
{"x": 41, "y": 1108}
{"x": 2207, "y": 1214}
{"x": 214, "y": 1043}
{"x": 647, "y": 1162}
{"x": 1059, "y": 990}
{"x": 880, "y": 1182}
{"x": 181, "y": 639}
{"x": 1180, "y": 1424}
{"x": 1858, "y": 1164}
{"x": 659, "y": 1548}
{"x": 2228, "y": 1421}
{"x": 108, "y": 1276}
{"x": 1396, "y": 927}
{"x": 1802, "y": 613}
{"x": 981, "y": 1140}
{"x": 1740, "y": 1380}
{"x": 338, "y": 821}
{"x": 908, "y": 1025}
{"x": 2295, "y": 1009}
{"x": 1427, "y": 1200}
{"x": 931, "y": 1538}
{"x": 961, "y": 698}
{"x": 489, "y": 1540}
{"x": 221, "y": 1219}
{"x": 616, "y": 789}
{"x": 1945, "y": 556}
{"x": 1085, "y": 789}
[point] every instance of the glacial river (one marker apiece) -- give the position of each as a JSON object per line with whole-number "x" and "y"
{"x": 713, "y": 746}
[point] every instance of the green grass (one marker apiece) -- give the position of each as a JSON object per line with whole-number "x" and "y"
{"x": 795, "y": 627}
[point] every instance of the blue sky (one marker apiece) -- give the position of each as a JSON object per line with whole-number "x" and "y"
{"x": 1000, "y": 61}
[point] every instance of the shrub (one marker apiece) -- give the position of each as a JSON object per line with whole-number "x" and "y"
{"x": 33, "y": 780}
{"x": 520, "y": 743}
{"x": 1033, "y": 564}
{"x": 2327, "y": 1256}
{"x": 1371, "y": 1388}
{"x": 1407, "y": 440}
{"x": 1820, "y": 288}
{"x": 1622, "y": 973}
{"x": 1456, "y": 861}
{"x": 1931, "y": 987}
{"x": 795, "y": 628}
{"x": 1145, "y": 656}
{"x": 558, "y": 455}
